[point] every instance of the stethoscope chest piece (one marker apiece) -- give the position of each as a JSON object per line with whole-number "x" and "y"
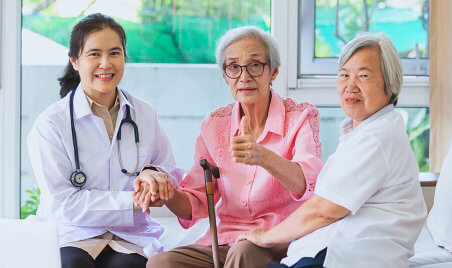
{"x": 78, "y": 178}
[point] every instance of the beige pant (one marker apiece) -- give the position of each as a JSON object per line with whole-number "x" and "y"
{"x": 241, "y": 254}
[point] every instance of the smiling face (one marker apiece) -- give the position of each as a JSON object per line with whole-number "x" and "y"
{"x": 247, "y": 89}
{"x": 100, "y": 64}
{"x": 360, "y": 85}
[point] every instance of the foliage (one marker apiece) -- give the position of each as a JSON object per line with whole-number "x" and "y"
{"x": 339, "y": 21}
{"x": 166, "y": 31}
{"x": 418, "y": 129}
{"x": 30, "y": 205}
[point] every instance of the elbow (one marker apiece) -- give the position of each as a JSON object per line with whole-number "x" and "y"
{"x": 329, "y": 212}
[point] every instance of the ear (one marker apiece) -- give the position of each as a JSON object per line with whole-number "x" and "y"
{"x": 74, "y": 63}
{"x": 225, "y": 79}
{"x": 275, "y": 73}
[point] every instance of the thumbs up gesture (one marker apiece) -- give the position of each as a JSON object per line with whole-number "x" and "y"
{"x": 244, "y": 148}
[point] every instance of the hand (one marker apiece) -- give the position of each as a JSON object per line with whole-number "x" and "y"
{"x": 152, "y": 188}
{"x": 244, "y": 148}
{"x": 256, "y": 236}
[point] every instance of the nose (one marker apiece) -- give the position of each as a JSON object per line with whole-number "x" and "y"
{"x": 244, "y": 76}
{"x": 351, "y": 84}
{"x": 105, "y": 63}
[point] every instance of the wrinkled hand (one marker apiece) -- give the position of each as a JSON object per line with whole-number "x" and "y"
{"x": 256, "y": 236}
{"x": 152, "y": 189}
{"x": 244, "y": 148}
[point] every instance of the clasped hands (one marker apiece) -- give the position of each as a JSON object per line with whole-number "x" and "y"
{"x": 244, "y": 148}
{"x": 151, "y": 189}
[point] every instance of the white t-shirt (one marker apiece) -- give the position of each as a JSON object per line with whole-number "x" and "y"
{"x": 374, "y": 174}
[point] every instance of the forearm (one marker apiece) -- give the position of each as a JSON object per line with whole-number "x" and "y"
{"x": 180, "y": 205}
{"x": 289, "y": 173}
{"x": 315, "y": 213}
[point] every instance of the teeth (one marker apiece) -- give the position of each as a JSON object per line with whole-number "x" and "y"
{"x": 104, "y": 75}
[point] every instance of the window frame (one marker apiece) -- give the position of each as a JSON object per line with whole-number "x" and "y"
{"x": 10, "y": 109}
{"x": 309, "y": 65}
{"x": 320, "y": 90}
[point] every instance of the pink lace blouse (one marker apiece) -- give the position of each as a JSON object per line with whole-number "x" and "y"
{"x": 250, "y": 196}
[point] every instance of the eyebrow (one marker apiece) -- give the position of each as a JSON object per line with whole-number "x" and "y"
{"x": 252, "y": 55}
{"x": 98, "y": 50}
{"x": 359, "y": 69}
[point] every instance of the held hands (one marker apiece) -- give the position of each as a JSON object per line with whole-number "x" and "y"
{"x": 152, "y": 189}
{"x": 244, "y": 148}
{"x": 257, "y": 237}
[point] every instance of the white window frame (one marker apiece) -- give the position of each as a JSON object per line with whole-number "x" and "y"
{"x": 10, "y": 109}
{"x": 316, "y": 89}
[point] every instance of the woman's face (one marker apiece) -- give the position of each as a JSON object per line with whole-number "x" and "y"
{"x": 101, "y": 63}
{"x": 248, "y": 89}
{"x": 360, "y": 85}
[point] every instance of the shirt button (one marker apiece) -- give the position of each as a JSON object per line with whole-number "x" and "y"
{"x": 244, "y": 203}
{"x": 112, "y": 154}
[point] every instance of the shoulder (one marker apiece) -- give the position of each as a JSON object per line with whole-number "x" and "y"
{"x": 58, "y": 111}
{"x": 139, "y": 104}
{"x": 52, "y": 118}
{"x": 388, "y": 128}
{"x": 221, "y": 112}
{"x": 304, "y": 107}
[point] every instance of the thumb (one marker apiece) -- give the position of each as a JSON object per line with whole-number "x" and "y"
{"x": 244, "y": 126}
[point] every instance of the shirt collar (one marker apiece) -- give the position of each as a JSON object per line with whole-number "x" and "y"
{"x": 92, "y": 103}
{"x": 275, "y": 118}
{"x": 346, "y": 125}
{"x": 82, "y": 102}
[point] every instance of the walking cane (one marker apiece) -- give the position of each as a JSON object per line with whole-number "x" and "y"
{"x": 210, "y": 170}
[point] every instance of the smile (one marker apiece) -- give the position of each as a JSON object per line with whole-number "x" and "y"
{"x": 104, "y": 75}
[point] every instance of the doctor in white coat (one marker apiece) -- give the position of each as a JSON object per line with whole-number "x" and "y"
{"x": 87, "y": 149}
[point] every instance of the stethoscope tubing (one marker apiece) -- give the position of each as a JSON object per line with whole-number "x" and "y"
{"x": 78, "y": 178}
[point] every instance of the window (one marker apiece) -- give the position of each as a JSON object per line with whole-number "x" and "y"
{"x": 170, "y": 45}
{"x": 324, "y": 28}
{"x": 328, "y": 25}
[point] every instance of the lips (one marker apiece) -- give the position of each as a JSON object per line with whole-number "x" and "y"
{"x": 104, "y": 75}
{"x": 352, "y": 101}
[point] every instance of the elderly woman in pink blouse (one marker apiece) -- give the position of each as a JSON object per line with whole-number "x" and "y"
{"x": 267, "y": 149}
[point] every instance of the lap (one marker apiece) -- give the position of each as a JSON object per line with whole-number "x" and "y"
{"x": 72, "y": 257}
{"x": 187, "y": 256}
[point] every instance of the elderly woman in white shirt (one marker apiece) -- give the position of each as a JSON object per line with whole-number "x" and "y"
{"x": 367, "y": 209}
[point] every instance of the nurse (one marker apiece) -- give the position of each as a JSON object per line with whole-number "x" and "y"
{"x": 87, "y": 148}
{"x": 367, "y": 209}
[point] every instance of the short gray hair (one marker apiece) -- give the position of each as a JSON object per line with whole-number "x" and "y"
{"x": 240, "y": 33}
{"x": 391, "y": 66}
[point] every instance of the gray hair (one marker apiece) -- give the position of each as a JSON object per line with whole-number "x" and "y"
{"x": 240, "y": 33}
{"x": 391, "y": 66}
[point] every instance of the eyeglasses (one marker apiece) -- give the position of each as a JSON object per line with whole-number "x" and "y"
{"x": 254, "y": 69}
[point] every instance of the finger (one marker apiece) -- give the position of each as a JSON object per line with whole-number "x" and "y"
{"x": 170, "y": 189}
{"x": 153, "y": 186}
{"x": 144, "y": 193}
{"x": 166, "y": 189}
{"x": 241, "y": 154}
{"x": 155, "y": 197}
{"x": 244, "y": 126}
{"x": 134, "y": 199}
{"x": 162, "y": 187}
{"x": 146, "y": 203}
{"x": 241, "y": 146}
{"x": 136, "y": 184}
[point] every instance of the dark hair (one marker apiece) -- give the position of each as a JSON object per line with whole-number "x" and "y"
{"x": 91, "y": 23}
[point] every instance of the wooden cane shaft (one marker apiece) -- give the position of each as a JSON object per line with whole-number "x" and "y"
{"x": 213, "y": 231}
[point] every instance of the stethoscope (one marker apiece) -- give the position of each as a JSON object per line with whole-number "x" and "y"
{"x": 78, "y": 178}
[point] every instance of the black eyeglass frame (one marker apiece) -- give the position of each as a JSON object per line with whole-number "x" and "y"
{"x": 246, "y": 68}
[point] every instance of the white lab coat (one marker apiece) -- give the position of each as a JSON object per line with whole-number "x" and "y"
{"x": 104, "y": 203}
